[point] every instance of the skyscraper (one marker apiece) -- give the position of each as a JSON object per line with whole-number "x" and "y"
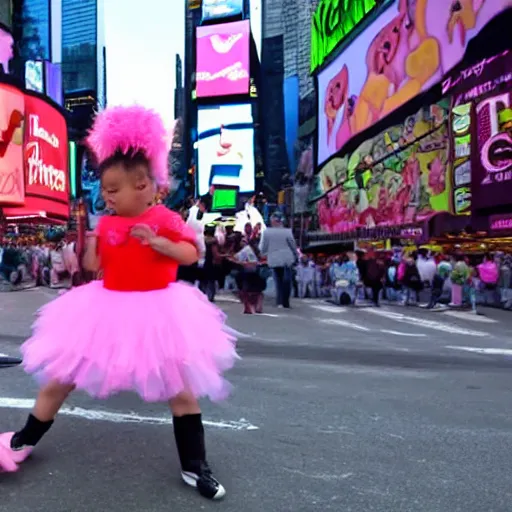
{"x": 83, "y": 47}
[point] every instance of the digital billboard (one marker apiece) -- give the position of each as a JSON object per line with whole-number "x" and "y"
{"x": 34, "y": 75}
{"x": 46, "y": 157}
{"x": 407, "y": 49}
{"x": 225, "y": 147}
{"x": 12, "y": 118}
{"x": 218, "y": 9}
{"x": 332, "y": 22}
{"x": 491, "y": 152}
{"x": 6, "y": 49}
{"x": 222, "y": 59}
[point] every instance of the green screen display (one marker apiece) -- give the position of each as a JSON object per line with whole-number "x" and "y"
{"x": 224, "y": 199}
{"x": 332, "y": 22}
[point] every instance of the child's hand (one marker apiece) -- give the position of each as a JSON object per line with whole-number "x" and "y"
{"x": 144, "y": 233}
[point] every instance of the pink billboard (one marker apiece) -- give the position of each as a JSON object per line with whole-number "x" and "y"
{"x": 222, "y": 59}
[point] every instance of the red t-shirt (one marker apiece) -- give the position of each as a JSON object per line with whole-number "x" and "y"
{"x": 127, "y": 264}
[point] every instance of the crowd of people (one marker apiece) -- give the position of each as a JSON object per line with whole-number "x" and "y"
{"x": 47, "y": 263}
{"x": 455, "y": 279}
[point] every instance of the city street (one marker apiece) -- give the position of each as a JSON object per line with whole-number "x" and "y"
{"x": 350, "y": 410}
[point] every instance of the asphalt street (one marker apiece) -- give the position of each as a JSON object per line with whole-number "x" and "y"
{"x": 350, "y": 410}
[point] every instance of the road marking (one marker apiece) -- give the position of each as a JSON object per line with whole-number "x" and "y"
{"x": 118, "y": 417}
{"x": 398, "y": 333}
{"x": 428, "y": 324}
{"x": 271, "y": 315}
{"x": 344, "y": 323}
{"x": 465, "y": 315}
{"x": 486, "y": 351}
{"x": 329, "y": 309}
{"x": 223, "y": 298}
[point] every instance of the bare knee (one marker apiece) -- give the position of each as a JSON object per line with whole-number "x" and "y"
{"x": 183, "y": 404}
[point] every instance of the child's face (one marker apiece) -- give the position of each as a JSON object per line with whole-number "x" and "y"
{"x": 128, "y": 193}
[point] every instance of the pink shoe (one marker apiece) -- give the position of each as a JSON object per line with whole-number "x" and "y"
{"x": 9, "y": 458}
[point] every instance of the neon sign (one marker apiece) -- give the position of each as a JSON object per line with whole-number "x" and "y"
{"x": 332, "y": 22}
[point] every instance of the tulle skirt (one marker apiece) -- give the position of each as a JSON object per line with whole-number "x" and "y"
{"x": 157, "y": 343}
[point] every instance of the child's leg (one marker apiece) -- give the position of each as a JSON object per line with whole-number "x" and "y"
{"x": 16, "y": 447}
{"x": 189, "y": 435}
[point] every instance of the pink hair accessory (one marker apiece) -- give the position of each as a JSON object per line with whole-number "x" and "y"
{"x": 128, "y": 129}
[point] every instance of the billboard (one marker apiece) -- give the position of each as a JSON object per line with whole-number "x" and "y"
{"x": 53, "y": 81}
{"x": 222, "y": 59}
{"x": 333, "y": 22}
{"x": 12, "y": 118}
{"x": 46, "y": 158}
{"x": 225, "y": 147}
{"x": 406, "y": 50}
{"x": 6, "y": 49}
{"x": 34, "y": 75}
{"x": 218, "y": 9}
{"x": 399, "y": 177}
{"x": 491, "y": 162}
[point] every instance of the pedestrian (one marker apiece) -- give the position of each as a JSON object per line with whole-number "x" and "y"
{"x": 279, "y": 247}
{"x": 142, "y": 331}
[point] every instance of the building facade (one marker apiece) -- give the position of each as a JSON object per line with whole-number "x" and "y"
{"x": 83, "y": 48}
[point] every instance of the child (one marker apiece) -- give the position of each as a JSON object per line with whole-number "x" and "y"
{"x": 142, "y": 331}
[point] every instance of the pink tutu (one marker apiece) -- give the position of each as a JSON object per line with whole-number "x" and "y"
{"x": 158, "y": 343}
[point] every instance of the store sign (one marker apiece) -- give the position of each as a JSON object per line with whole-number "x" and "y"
{"x": 218, "y": 9}
{"x": 223, "y": 59}
{"x": 484, "y": 78}
{"x": 500, "y": 222}
{"x": 332, "y": 22}
{"x": 46, "y": 155}
{"x": 12, "y": 107}
{"x": 408, "y": 47}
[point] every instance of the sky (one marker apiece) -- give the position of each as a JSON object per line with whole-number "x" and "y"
{"x": 142, "y": 39}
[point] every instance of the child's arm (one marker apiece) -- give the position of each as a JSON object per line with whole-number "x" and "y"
{"x": 184, "y": 253}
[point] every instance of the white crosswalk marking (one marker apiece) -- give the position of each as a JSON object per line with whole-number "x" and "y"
{"x": 344, "y": 323}
{"x": 486, "y": 351}
{"x": 329, "y": 309}
{"x": 410, "y": 334}
{"x": 466, "y": 315}
{"x": 428, "y": 324}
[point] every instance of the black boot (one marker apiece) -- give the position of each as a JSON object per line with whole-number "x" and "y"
{"x": 189, "y": 434}
{"x": 30, "y": 434}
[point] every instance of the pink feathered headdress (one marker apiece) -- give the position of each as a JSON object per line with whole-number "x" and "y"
{"x": 128, "y": 129}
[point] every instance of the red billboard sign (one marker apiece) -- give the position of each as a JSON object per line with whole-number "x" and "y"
{"x": 46, "y": 158}
{"x": 12, "y": 190}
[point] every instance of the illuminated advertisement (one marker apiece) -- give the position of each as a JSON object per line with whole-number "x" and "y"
{"x": 492, "y": 152}
{"x": 399, "y": 177}
{"x": 333, "y": 22}
{"x": 407, "y": 49}
{"x": 46, "y": 158}
{"x": 12, "y": 107}
{"x": 225, "y": 147}
{"x": 53, "y": 81}
{"x": 222, "y": 59}
{"x": 461, "y": 158}
{"x": 34, "y": 75}
{"x": 6, "y": 49}
{"x": 218, "y": 9}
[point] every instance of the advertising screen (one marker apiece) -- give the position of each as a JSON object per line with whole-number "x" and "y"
{"x": 34, "y": 75}
{"x": 399, "y": 177}
{"x": 53, "y": 81}
{"x": 491, "y": 152}
{"x": 6, "y": 49}
{"x": 46, "y": 157}
{"x": 407, "y": 49}
{"x": 225, "y": 148}
{"x": 222, "y": 59}
{"x": 218, "y": 9}
{"x": 333, "y": 22}
{"x": 12, "y": 107}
